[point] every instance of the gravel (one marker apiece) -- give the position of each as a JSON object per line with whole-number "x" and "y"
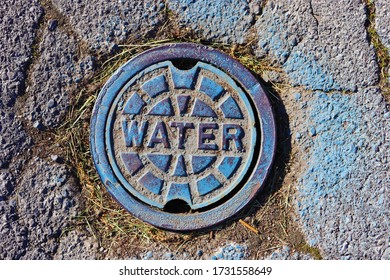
{"x": 76, "y": 245}
{"x": 18, "y": 23}
{"x": 13, "y": 138}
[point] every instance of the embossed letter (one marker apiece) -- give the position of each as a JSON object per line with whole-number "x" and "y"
{"x": 206, "y": 136}
{"x": 182, "y": 126}
{"x": 134, "y": 135}
{"x": 236, "y": 137}
{"x": 159, "y": 135}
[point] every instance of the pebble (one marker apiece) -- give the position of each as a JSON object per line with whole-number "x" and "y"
{"x": 51, "y": 104}
{"x": 148, "y": 255}
{"x": 312, "y": 131}
{"x": 56, "y": 158}
{"x": 38, "y": 125}
{"x": 168, "y": 255}
{"x": 52, "y": 24}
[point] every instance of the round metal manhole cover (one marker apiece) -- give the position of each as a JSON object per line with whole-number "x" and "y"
{"x": 183, "y": 136}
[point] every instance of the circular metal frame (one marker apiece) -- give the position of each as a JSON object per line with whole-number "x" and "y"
{"x": 254, "y": 92}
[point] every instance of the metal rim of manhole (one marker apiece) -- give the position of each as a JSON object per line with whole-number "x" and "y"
{"x": 183, "y": 136}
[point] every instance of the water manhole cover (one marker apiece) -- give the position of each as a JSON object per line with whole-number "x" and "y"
{"x": 183, "y": 136}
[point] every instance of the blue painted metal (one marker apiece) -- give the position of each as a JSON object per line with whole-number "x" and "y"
{"x": 159, "y": 136}
{"x": 156, "y": 86}
{"x": 205, "y": 139}
{"x": 161, "y": 161}
{"x": 134, "y": 133}
{"x": 151, "y": 182}
{"x": 182, "y": 102}
{"x": 182, "y": 129}
{"x": 201, "y": 109}
{"x": 200, "y": 163}
{"x": 147, "y": 136}
{"x": 211, "y": 88}
{"x": 132, "y": 162}
{"x": 179, "y": 191}
{"x": 134, "y": 105}
{"x": 236, "y": 137}
{"x": 184, "y": 79}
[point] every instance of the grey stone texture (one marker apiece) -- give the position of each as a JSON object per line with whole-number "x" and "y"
{"x": 226, "y": 21}
{"x": 42, "y": 209}
{"x": 38, "y": 200}
{"x": 343, "y": 197}
{"x": 76, "y": 245}
{"x": 13, "y": 138}
{"x": 56, "y": 73}
{"x": 285, "y": 253}
{"x": 104, "y": 23}
{"x": 382, "y": 21}
{"x": 18, "y": 23}
{"x": 7, "y": 183}
{"x": 321, "y": 46}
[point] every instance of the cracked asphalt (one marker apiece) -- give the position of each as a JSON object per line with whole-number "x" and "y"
{"x": 338, "y": 112}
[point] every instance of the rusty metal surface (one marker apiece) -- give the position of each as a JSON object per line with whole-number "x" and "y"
{"x": 183, "y": 146}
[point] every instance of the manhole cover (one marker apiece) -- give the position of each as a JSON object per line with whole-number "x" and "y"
{"x": 183, "y": 136}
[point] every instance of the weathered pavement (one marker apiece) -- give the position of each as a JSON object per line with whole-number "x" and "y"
{"x": 338, "y": 117}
